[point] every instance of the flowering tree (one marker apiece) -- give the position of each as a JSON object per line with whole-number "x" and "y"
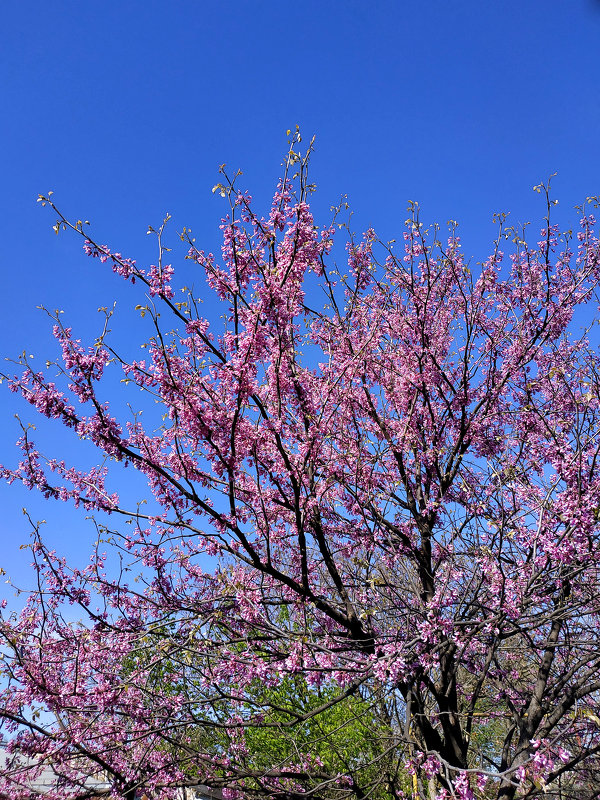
{"x": 381, "y": 481}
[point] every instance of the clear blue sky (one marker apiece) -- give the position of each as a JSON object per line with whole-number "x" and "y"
{"x": 125, "y": 109}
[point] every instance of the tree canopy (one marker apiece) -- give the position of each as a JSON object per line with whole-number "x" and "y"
{"x": 369, "y": 562}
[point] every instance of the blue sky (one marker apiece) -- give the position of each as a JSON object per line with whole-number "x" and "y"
{"x": 126, "y": 109}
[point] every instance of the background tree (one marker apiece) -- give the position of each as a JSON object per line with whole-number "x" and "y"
{"x": 381, "y": 479}
{"x": 356, "y": 734}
